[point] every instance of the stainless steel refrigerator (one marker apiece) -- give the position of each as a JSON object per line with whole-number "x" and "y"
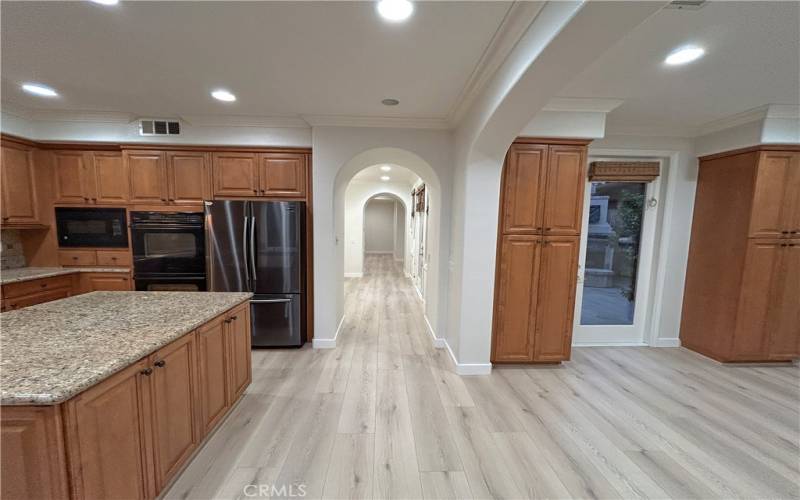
{"x": 259, "y": 247}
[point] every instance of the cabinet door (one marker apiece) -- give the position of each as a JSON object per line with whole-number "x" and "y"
{"x": 211, "y": 370}
{"x": 77, "y": 258}
{"x": 792, "y": 218}
{"x": 523, "y": 192}
{"x": 148, "y": 182}
{"x": 751, "y": 337}
{"x": 70, "y": 171}
{"x": 33, "y": 459}
{"x": 566, "y": 179}
{"x": 18, "y": 186}
{"x": 188, "y": 178}
{"x": 174, "y": 402}
{"x": 282, "y": 175}
{"x": 38, "y": 298}
{"x": 517, "y": 288}
{"x": 105, "y": 437}
{"x": 554, "y": 313}
{"x": 110, "y": 179}
{"x": 94, "y": 282}
{"x": 771, "y": 214}
{"x": 784, "y": 322}
{"x": 238, "y": 327}
{"x": 235, "y": 174}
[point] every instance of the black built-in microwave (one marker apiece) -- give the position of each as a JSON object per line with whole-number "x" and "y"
{"x": 92, "y": 227}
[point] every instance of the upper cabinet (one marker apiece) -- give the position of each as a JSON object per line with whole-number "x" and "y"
{"x": 90, "y": 177}
{"x": 776, "y": 200}
{"x": 280, "y": 175}
{"x": 187, "y": 178}
{"x": 235, "y": 174}
{"x": 563, "y": 200}
{"x": 19, "y": 196}
{"x": 148, "y": 176}
{"x": 524, "y": 177}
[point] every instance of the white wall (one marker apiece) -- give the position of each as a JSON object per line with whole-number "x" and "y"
{"x": 341, "y": 152}
{"x": 400, "y": 228}
{"x": 379, "y": 226}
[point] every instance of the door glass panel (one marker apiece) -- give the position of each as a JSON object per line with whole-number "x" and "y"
{"x": 612, "y": 253}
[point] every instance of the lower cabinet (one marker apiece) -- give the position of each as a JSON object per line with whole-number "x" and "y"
{"x": 38, "y": 291}
{"x": 129, "y": 435}
{"x": 113, "y": 282}
{"x": 535, "y": 298}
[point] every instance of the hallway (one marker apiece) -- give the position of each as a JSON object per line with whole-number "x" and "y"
{"x": 384, "y": 415}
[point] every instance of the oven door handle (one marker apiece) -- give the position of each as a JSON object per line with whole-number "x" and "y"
{"x": 244, "y": 249}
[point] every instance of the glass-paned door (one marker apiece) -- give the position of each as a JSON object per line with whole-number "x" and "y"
{"x": 616, "y": 254}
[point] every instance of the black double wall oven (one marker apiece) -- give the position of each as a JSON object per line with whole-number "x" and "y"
{"x": 169, "y": 251}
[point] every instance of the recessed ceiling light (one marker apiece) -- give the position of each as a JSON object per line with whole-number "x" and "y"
{"x": 223, "y": 95}
{"x": 39, "y": 89}
{"x": 386, "y": 168}
{"x": 395, "y": 10}
{"x": 384, "y": 177}
{"x": 390, "y": 102}
{"x": 105, "y": 2}
{"x": 684, "y": 55}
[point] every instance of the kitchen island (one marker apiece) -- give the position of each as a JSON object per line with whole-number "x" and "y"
{"x": 109, "y": 394}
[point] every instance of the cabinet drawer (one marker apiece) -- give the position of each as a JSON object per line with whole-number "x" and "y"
{"x": 113, "y": 258}
{"x": 37, "y": 298}
{"x": 77, "y": 257}
{"x": 14, "y": 290}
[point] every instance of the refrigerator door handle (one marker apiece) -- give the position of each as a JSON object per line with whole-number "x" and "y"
{"x": 253, "y": 248}
{"x": 270, "y": 301}
{"x": 244, "y": 248}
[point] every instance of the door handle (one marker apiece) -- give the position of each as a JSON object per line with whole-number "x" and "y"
{"x": 253, "y": 247}
{"x": 244, "y": 249}
{"x": 270, "y": 301}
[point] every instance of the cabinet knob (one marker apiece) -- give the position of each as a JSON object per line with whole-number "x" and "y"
{"x": 784, "y": 232}
{"x": 74, "y": 257}
{"x": 783, "y": 244}
{"x": 160, "y": 363}
{"x": 6, "y": 218}
{"x": 228, "y": 320}
{"x": 146, "y": 372}
{"x": 234, "y": 317}
{"x": 43, "y": 285}
{"x": 85, "y": 198}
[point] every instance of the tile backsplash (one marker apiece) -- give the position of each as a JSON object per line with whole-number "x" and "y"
{"x": 11, "y": 253}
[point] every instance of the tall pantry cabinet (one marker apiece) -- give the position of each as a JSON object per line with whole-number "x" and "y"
{"x": 742, "y": 295}
{"x": 541, "y": 205}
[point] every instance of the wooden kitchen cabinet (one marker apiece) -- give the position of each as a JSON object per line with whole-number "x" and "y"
{"x": 148, "y": 177}
{"x": 282, "y": 175}
{"x": 38, "y": 291}
{"x": 109, "y": 282}
{"x": 30, "y": 469}
{"x": 187, "y": 176}
{"x": 174, "y": 406}
{"x": 235, "y": 174}
{"x": 77, "y": 258}
{"x": 566, "y": 180}
{"x": 212, "y": 348}
{"x": 18, "y": 178}
{"x": 526, "y": 166}
{"x": 537, "y": 256}
{"x": 107, "y": 429}
{"x": 239, "y": 369}
{"x": 743, "y": 277}
{"x": 90, "y": 178}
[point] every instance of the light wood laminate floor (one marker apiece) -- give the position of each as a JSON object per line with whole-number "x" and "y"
{"x": 383, "y": 415}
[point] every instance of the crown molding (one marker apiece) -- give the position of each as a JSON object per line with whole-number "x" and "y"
{"x": 245, "y": 121}
{"x": 377, "y": 121}
{"x": 583, "y": 104}
{"x": 748, "y": 116}
{"x": 518, "y": 18}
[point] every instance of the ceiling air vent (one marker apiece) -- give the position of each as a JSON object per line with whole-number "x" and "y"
{"x": 159, "y": 127}
{"x": 686, "y": 4}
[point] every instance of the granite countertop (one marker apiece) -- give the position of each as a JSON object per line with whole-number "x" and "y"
{"x": 50, "y": 352}
{"x": 34, "y": 273}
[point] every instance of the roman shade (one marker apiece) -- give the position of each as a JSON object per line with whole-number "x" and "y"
{"x": 623, "y": 171}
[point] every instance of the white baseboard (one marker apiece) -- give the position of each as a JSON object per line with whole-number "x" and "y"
{"x": 468, "y": 368}
{"x": 328, "y": 343}
{"x": 353, "y": 275}
{"x": 675, "y": 342}
{"x": 437, "y": 342}
{"x": 378, "y": 252}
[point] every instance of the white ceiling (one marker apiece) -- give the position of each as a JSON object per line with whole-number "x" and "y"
{"x": 397, "y": 174}
{"x": 280, "y": 58}
{"x": 752, "y": 59}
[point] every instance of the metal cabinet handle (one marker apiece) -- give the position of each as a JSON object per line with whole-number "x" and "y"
{"x": 146, "y": 372}
{"x": 160, "y": 363}
{"x": 270, "y": 301}
{"x": 253, "y": 249}
{"x": 234, "y": 318}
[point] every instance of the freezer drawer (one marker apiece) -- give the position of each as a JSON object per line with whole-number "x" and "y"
{"x": 276, "y": 320}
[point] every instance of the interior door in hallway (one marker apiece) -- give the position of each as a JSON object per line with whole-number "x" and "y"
{"x": 616, "y": 254}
